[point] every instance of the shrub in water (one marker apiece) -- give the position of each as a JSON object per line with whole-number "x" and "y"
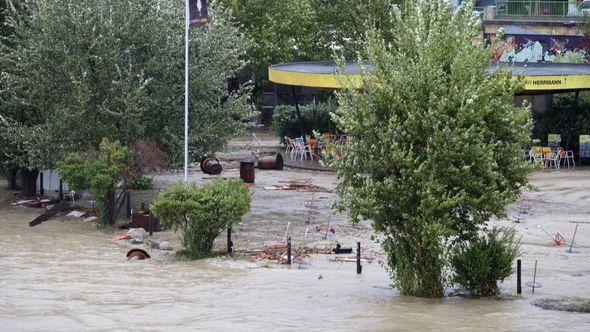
{"x": 201, "y": 213}
{"x": 479, "y": 265}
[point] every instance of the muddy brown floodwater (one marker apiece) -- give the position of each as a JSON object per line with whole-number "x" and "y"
{"x": 67, "y": 275}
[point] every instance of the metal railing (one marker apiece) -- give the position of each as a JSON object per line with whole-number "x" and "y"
{"x": 537, "y": 8}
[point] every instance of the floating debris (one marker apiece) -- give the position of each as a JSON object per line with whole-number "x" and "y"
{"x": 299, "y": 186}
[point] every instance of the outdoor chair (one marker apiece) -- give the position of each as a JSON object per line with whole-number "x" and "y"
{"x": 553, "y": 141}
{"x": 566, "y": 157}
{"x": 552, "y": 161}
{"x": 536, "y": 155}
{"x": 301, "y": 149}
{"x": 289, "y": 147}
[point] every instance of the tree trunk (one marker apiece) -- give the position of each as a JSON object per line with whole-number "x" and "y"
{"x": 29, "y": 182}
{"x": 108, "y": 208}
{"x": 12, "y": 178}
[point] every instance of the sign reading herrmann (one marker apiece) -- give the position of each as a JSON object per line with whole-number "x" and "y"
{"x": 198, "y": 13}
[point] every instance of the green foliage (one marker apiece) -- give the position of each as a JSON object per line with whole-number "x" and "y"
{"x": 201, "y": 213}
{"x": 556, "y": 120}
{"x": 141, "y": 183}
{"x": 482, "y": 262}
{"x": 83, "y": 70}
{"x": 314, "y": 118}
{"x": 434, "y": 140}
{"x": 99, "y": 173}
{"x": 299, "y": 30}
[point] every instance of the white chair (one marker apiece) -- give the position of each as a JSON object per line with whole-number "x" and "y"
{"x": 569, "y": 155}
{"x": 289, "y": 147}
{"x": 301, "y": 149}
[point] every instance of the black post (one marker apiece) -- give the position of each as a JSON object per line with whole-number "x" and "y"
{"x": 230, "y": 243}
{"x": 41, "y": 189}
{"x": 518, "y": 279}
{"x": 534, "y": 277}
{"x": 142, "y": 206}
{"x": 289, "y": 250}
{"x": 571, "y": 122}
{"x": 61, "y": 190}
{"x": 359, "y": 267}
{"x": 151, "y": 224}
{"x": 573, "y": 238}
{"x": 128, "y": 199}
{"x": 296, "y": 102}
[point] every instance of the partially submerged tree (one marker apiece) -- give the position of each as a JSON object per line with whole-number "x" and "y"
{"x": 102, "y": 172}
{"x": 84, "y": 70}
{"x": 434, "y": 140}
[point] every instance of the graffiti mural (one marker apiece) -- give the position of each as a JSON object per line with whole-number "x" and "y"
{"x": 541, "y": 48}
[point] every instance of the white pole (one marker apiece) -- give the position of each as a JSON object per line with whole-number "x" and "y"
{"x": 186, "y": 49}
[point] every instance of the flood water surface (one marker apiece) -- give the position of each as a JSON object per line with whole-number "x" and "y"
{"x": 67, "y": 275}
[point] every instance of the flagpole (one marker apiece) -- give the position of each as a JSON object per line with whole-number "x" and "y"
{"x": 186, "y": 80}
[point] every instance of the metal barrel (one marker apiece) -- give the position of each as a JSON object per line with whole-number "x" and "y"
{"x": 271, "y": 162}
{"x": 210, "y": 166}
{"x": 247, "y": 171}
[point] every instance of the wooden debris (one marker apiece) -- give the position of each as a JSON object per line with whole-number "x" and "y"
{"x": 51, "y": 212}
{"x": 299, "y": 186}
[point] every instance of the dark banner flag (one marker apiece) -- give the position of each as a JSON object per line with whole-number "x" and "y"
{"x": 198, "y": 13}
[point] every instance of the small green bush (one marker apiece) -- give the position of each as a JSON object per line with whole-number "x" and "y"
{"x": 201, "y": 213}
{"x": 100, "y": 172}
{"x": 314, "y": 117}
{"x": 480, "y": 264}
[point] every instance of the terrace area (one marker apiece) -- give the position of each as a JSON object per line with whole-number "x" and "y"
{"x": 551, "y": 10}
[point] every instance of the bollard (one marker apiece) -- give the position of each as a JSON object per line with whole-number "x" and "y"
{"x": 289, "y": 250}
{"x": 41, "y": 189}
{"x": 128, "y": 199}
{"x": 359, "y": 267}
{"x": 142, "y": 206}
{"x": 518, "y": 279}
{"x": 151, "y": 224}
{"x": 534, "y": 277}
{"x": 61, "y": 190}
{"x": 230, "y": 243}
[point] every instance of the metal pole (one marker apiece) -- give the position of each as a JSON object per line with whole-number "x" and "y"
{"x": 151, "y": 224}
{"x": 518, "y": 279}
{"x": 41, "y": 184}
{"x": 534, "y": 277}
{"x": 298, "y": 114}
{"x": 61, "y": 190}
{"x": 359, "y": 267}
{"x": 289, "y": 250}
{"x": 230, "y": 243}
{"x": 186, "y": 90}
{"x": 573, "y": 238}
{"x": 128, "y": 199}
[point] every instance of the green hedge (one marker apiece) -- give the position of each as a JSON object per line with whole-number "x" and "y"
{"x": 556, "y": 120}
{"x": 314, "y": 118}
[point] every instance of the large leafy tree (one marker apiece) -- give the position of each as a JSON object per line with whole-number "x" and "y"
{"x": 300, "y": 30}
{"x": 86, "y": 70}
{"x": 434, "y": 140}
